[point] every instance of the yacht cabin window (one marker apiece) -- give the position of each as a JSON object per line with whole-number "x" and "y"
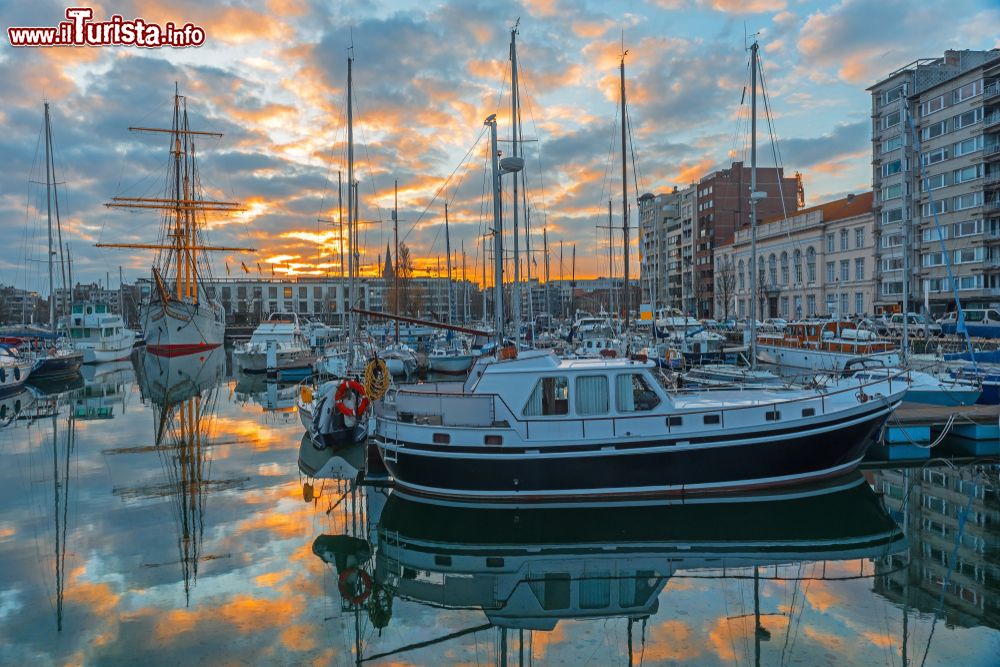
{"x": 550, "y": 397}
{"x": 634, "y": 393}
{"x": 592, "y": 395}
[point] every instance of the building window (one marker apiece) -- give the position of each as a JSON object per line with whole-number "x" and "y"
{"x": 859, "y": 268}
{"x": 811, "y": 264}
{"x": 968, "y": 228}
{"x": 845, "y": 270}
{"x": 968, "y": 118}
{"x": 843, "y": 303}
{"x": 859, "y": 303}
{"x": 811, "y": 305}
{"x": 890, "y": 120}
{"x": 970, "y": 200}
{"x": 935, "y": 130}
{"x": 891, "y": 167}
{"x": 859, "y": 237}
{"x": 892, "y": 215}
{"x": 742, "y": 281}
{"x": 932, "y": 106}
{"x": 287, "y": 292}
{"x": 966, "y": 91}
{"x": 845, "y": 236}
{"x": 831, "y": 243}
{"x": 797, "y": 265}
{"x": 930, "y": 208}
{"x": 934, "y": 234}
{"x": 894, "y": 191}
{"x": 933, "y": 157}
{"x": 831, "y": 272}
{"x": 933, "y": 182}
{"x": 784, "y": 268}
{"x": 772, "y": 266}
{"x": 969, "y": 173}
{"x": 968, "y": 146}
{"x": 892, "y": 144}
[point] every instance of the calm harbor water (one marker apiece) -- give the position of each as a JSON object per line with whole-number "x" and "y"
{"x": 154, "y": 513}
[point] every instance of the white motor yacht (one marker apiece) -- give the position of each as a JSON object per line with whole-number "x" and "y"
{"x": 277, "y": 344}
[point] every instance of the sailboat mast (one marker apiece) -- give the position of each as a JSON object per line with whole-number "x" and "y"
{"x": 516, "y": 291}
{"x": 754, "y": 296}
{"x": 178, "y": 207}
{"x": 395, "y": 243}
{"x": 465, "y": 289}
{"x": 447, "y": 246}
{"x": 350, "y": 201}
{"x": 625, "y": 192}
{"x": 497, "y": 237}
{"x": 572, "y": 282}
{"x": 48, "y": 206}
{"x": 611, "y": 262}
{"x": 545, "y": 248}
{"x": 55, "y": 202}
{"x": 340, "y": 222}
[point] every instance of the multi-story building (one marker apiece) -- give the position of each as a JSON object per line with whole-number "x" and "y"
{"x": 688, "y": 201}
{"x": 723, "y": 206}
{"x": 250, "y": 299}
{"x": 936, "y": 175}
{"x": 818, "y": 261}
{"x": 660, "y": 268}
{"x": 21, "y": 306}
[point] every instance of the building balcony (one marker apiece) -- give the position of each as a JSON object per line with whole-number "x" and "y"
{"x": 991, "y": 90}
{"x": 991, "y": 150}
{"x": 992, "y": 119}
{"x": 992, "y": 205}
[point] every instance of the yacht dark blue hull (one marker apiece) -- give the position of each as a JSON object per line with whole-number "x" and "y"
{"x": 666, "y": 467}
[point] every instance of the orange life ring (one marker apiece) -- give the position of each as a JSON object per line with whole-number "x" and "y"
{"x": 359, "y": 391}
{"x": 343, "y": 584}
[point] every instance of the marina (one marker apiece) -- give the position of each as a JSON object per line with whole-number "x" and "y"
{"x": 442, "y": 338}
{"x": 160, "y": 534}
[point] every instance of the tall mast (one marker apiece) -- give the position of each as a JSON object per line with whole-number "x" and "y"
{"x": 545, "y": 248}
{"x": 491, "y": 121}
{"x": 48, "y": 207}
{"x": 465, "y": 289}
{"x": 625, "y": 192}
{"x": 561, "y": 273}
{"x": 484, "y": 278}
{"x": 351, "y": 213}
{"x": 340, "y": 223}
{"x": 754, "y": 196}
{"x": 55, "y": 202}
{"x": 611, "y": 262}
{"x": 395, "y": 243}
{"x": 572, "y": 282}
{"x": 447, "y": 245}
{"x": 516, "y": 291}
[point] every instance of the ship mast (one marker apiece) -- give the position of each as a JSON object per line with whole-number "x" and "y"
{"x": 184, "y": 242}
{"x": 625, "y": 193}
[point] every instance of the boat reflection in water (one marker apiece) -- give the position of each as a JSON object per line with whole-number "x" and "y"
{"x": 182, "y": 391}
{"x": 276, "y": 399}
{"x": 527, "y": 568}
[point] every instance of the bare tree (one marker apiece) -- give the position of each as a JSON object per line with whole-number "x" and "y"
{"x": 725, "y": 284}
{"x": 411, "y": 295}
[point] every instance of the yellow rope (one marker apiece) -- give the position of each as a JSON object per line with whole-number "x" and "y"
{"x": 377, "y": 379}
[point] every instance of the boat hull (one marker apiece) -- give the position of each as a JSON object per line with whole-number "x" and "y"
{"x": 178, "y": 328}
{"x": 622, "y": 469}
{"x": 256, "y": 362}
{"x": 57, "y": 366}
{"x": 816, "y": 360}
{"x": 452, "y": 365}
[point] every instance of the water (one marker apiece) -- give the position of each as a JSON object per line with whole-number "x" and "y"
{"x": 157, "y": 515}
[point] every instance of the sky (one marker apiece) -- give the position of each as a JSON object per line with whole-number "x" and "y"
{"x": 271, "y": 76}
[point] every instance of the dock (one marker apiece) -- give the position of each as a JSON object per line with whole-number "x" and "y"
{"x": 914, "y": 430}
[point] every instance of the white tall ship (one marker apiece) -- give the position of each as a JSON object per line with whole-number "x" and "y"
{"x": 100, "y": 334}
{"x": 180, "y": 317}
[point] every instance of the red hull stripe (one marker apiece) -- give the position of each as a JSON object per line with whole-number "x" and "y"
{"x": 179, "y": 350}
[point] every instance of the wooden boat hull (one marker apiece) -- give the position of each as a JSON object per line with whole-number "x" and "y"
{"x": 178, "y": 328}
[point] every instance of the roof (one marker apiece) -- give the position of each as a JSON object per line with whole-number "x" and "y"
{"x": 838, "y": 209}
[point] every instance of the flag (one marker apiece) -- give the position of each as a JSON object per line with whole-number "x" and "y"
{"x": 227, "y": 268}
{"x": 244, "y": 265}
{"x": 258, "y": 268}
{"x": 272, "y": 270}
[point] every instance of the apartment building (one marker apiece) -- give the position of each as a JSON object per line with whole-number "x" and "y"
{"x": 660, "y": 249}
{"x": 936, "y": 175}
{"x": 723, "y": 207}
{"x": 818, "y": 261}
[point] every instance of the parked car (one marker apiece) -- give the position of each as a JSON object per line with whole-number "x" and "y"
{"x": 918, "y": 324}
{"x": 979, "y": 322}
{"x": 877, "y": 325}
